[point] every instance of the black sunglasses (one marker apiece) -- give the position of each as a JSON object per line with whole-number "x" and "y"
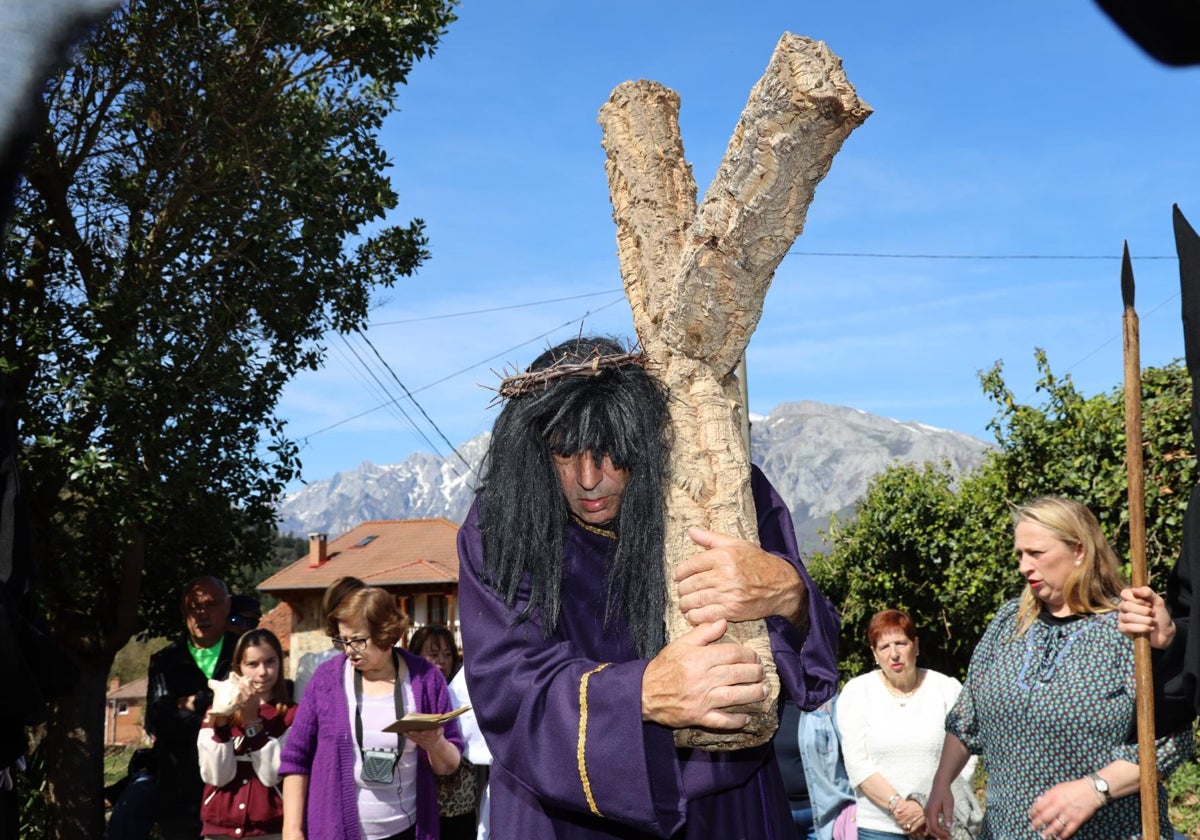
{"x": 249, "y": 622}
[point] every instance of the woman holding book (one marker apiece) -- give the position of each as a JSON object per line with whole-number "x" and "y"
{"x": 343, "y": 775}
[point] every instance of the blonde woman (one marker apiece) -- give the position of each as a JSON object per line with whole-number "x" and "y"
{"x": 1049, "y": 696}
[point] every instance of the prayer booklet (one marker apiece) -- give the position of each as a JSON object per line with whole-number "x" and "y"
{"x": 416, "y": 721}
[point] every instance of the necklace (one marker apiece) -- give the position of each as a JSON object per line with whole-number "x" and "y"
{"x": 901, "y": 696}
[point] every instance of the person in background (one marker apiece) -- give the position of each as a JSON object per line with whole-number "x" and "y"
{"x": 1049, "y": 700}
{"x": 178, "y": 697}
{"x": 475, "y": 750}
{"x": 239, "y": 753}
{"x": 791, "y": 766}
{"x": 134, "y": 798}
{"x": 244, "y": 614}
{"x": 344, "y": 778}
{"x": 309, "y": 662}
{"x": 829, "y": 788}
{"x": 458, "y": 796}
{"x": 892, "y": 722}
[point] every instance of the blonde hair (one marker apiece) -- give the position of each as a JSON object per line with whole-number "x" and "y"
{"x": 1092, "y": 587}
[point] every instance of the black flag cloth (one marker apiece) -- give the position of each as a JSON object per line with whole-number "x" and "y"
{"x": 1179, "y": 669}
{"x": 1168, "y": 30}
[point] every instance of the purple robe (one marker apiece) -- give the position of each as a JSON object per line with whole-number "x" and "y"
{"x": 562, "y": 715}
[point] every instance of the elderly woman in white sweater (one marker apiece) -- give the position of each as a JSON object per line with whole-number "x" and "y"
{"x": 892, "y": 722}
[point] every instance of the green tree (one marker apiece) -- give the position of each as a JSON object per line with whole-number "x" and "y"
{"x": 205, "y": 203}
{"x": 1075, "y": 447}
{"x": 943, "y": 550}
{"x": 918, "y": 543}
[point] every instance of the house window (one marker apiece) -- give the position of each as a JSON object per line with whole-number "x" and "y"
{"x": 438, "y": 609}
{"x": 365, "y": 541}
{"x": 122, "y": 708}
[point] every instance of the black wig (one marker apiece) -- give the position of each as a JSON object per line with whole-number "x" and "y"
{"x": 620, "y": 412}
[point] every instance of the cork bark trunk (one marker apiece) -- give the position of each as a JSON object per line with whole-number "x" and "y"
{"x": 696, "y": 277}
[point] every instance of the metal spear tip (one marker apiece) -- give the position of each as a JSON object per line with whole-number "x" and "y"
{"x": 1127, "y": 279}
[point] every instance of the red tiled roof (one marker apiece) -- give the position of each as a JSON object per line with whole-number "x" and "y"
{"x": 403, "y": 551}
{"x": 278, "y": 620}
{"x": 135, "y": 690}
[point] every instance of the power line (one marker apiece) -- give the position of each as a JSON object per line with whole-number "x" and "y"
{"x": 882, "y": 256}
{"x": 492, "y": 309}
{"x": 408, "y": 394}
{"x": 833, "y": 254}
{"x": 393, "y": 400}
{"x": 842, "y": 254}
{"x": 550, "y": 331}
{"x": 502, "y": 353}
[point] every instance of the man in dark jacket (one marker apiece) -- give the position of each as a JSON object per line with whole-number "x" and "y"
{"x": 177, "y": 699}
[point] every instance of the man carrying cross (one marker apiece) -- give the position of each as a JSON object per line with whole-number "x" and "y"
{"x": 562, "y": 595}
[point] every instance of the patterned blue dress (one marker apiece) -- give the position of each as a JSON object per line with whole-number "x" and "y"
{"x": 1051, "y": 706}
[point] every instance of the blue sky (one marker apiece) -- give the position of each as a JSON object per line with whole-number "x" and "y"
{"x": 1001, "y": 129}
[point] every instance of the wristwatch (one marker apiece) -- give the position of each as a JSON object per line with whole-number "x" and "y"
{"x": 1101, "y": 787}
{"x": 254, "y": 728}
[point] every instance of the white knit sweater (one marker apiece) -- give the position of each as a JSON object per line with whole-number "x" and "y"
{"x": 899, "y": 738}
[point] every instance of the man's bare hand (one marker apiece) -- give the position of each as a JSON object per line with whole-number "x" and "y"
{"x": 736, "y": 580}
{"x": 1143, "y": 612}
{"x": 692, "y": 681}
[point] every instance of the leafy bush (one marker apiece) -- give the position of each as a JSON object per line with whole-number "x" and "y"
{"x": 940, "y": 547}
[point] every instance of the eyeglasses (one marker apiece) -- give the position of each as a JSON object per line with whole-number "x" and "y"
{"x": 247, "y": 621}
{"x": 352, "y": 645}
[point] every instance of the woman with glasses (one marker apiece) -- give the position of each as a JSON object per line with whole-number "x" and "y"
{"x": 346, "y": 778}
{"x": 1049, "y": 696}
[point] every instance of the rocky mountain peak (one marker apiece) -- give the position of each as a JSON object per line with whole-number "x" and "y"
{"x": 819, "y": 456}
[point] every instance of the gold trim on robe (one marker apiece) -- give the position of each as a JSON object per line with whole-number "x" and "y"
{"x": 582, "y": 743}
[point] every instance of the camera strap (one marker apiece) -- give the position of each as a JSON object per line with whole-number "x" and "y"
{"x": 358, "y": 695}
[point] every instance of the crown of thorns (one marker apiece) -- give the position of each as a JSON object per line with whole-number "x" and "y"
{"x": 517, "y": 384}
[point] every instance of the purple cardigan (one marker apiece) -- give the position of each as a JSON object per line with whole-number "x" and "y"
{"x": 321, "y": 745}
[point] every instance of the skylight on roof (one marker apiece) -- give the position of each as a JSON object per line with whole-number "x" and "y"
{"x": 365, "y": 541}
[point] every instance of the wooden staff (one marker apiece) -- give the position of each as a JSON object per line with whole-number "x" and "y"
{"x": 1147, "y": 760}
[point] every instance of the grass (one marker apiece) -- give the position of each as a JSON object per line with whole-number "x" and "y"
{"x": 116, "y": 762}
{"x": 1182, "y": 791}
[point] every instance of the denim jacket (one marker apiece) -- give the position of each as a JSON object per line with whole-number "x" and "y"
{"x": 820, "y": 749}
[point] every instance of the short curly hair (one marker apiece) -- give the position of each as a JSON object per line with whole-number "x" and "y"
{"x": 385, "y": 618}
{"x": 332, "y": 599}
{"x": 885, "y": 621}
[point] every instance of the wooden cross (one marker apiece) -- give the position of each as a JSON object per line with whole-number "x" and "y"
{"x": 696, "y": 278}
